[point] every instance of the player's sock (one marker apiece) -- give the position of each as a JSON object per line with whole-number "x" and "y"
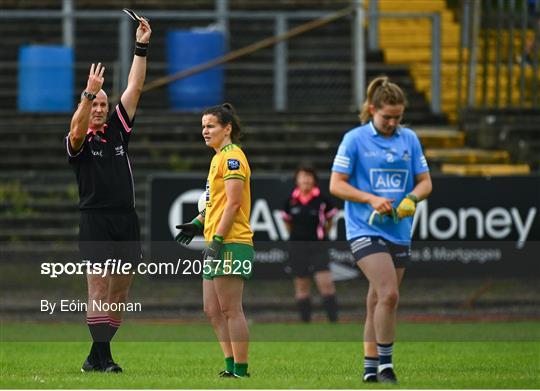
{"x": 304, "y": 306}
{"x": 229, "y": 364}
{"x": 99, "y": 329}
{"x": 114, "y": 325}
{"x": 370, "y": 367}
{"x": 240, "y": 369}
{"x": 107, "y": 356}
{"x": 93, "y": 356}
{"x": 385, "y": 355}
{"x": 330, "y": 306}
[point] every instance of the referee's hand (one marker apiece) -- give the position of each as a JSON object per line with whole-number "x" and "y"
{"x": 143, "y": 31}
{"x": 95, "y": 78}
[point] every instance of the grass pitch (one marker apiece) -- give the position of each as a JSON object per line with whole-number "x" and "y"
{"x": 475, "y": 355}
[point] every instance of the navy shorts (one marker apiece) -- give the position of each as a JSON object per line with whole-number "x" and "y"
{"x": 367, "y": 245}
{"x": 104, "y": 235}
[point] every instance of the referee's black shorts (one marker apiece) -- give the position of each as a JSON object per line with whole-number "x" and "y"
{"x": 307, "y": 258}
{"x": 109, "y": 235}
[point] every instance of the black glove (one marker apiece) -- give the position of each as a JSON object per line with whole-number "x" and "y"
{"x": 212, "y": 251}
{"x": 188, "y": 231}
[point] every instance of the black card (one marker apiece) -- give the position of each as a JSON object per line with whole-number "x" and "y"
{"x": 134, "y": 16}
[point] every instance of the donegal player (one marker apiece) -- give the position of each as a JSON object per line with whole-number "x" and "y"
{"x": 229, "y": 254}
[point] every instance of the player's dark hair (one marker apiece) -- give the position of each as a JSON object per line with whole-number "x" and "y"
{"x": 308, "y": 170}
{"x": 381, "y": 91}
{"x": 226, "y": 114}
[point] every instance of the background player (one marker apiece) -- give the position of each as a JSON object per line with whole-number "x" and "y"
{"x": 228, "y": 257}
{"x": 380, "y": 165}
{"x": 308, "y": 216}
{"x": 109, "y": 227}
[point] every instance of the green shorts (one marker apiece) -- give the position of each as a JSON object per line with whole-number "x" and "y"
{"x": 235, "y": 259}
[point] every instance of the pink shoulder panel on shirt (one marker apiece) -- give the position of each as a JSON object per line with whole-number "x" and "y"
{"x": 122, "y": 119}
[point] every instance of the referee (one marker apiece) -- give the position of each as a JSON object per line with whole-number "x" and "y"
{"x": 97, "y": 148}
{"x": 308, "y": 216}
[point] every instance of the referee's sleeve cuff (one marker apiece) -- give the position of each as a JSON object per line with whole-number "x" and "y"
{"x": 70, "y": 151}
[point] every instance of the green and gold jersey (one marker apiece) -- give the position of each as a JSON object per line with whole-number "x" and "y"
{"x": 229, "y": 163}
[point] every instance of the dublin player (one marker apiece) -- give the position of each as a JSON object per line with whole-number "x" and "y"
{"x": 380, "y": 167}
{"x": 229, "y": 253}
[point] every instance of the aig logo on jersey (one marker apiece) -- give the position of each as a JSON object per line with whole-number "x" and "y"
{"x": 388, "y": 180}
{"x": 233, "y": 164}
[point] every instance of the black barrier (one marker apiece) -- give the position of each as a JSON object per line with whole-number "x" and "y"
{"x": 469, "y": 226}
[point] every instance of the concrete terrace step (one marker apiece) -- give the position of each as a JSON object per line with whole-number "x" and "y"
{"x": 67, "y": 190}
{"x": 176, "y": 128}
{"x": 178, "y": 162}
{"x": 440, "y": 138}
{"x": 39, "y": 234}
{"x": 168, "y": 154}
{"x": 46, "y": 209}
{"x": 182, "y": 125}
{"x": 61, "y": 176}
{"x": 162, "y": 118}
{"x": 486, "y": 169}
{"x": 162, "y": 140}
{"x": 33, "y": 220}
{"x": 467, "y": 156}
{"x": 45, "y": 219}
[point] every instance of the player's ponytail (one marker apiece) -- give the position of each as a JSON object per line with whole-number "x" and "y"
{"x": 381, "y": 91}
{"x": 235, "y": 122}
{"x": 226, "y": 114}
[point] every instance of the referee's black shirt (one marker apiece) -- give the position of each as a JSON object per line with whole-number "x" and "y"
{"x": 102, "y": 166}
{"x": 308, "y": 215}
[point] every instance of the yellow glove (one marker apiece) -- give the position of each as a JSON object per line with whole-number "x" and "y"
{"x": 407, "y": 206}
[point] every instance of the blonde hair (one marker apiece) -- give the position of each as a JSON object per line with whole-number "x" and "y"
{"x": 381, "y": 91}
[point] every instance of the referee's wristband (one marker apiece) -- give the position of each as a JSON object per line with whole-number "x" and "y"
{"x": 141, "y": 49}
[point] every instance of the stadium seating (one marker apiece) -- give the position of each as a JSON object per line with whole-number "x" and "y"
{"x": 409, "y": 42}
{"x": 486, "y": 169}
{"x": 516, "y": 130}
{"x": 38, "y": 189}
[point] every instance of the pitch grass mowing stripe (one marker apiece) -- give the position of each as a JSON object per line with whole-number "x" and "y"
{"x": 277, "y": 332}
{"x": 435, "y": 364}
{"x": 314, "y": 365}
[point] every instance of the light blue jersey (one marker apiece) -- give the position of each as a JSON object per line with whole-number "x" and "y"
{"x": 384, "y": 166}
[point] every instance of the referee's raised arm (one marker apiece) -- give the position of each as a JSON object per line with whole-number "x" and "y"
{"x": 81, "y": 117}
{"x": 137, "y": 74}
